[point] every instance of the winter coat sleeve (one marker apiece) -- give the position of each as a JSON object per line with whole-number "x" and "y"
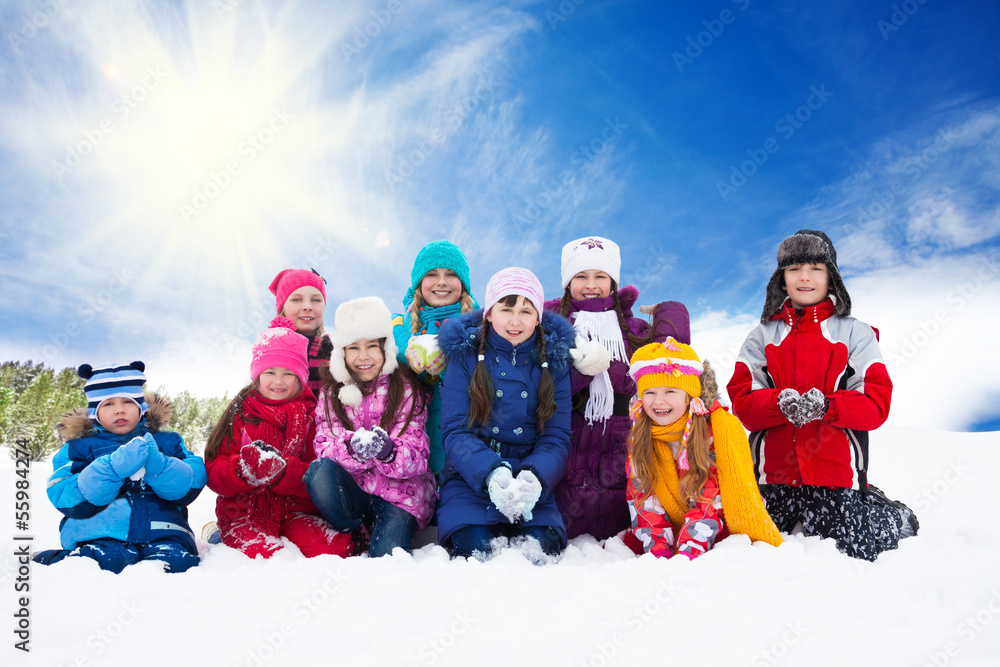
{"x": 864, "y": 404}
{"x": 650, "y": 523}
{"x": 98, "y": 482}
{"x": 548, "y": 457}
{"x": 332, "y": 438}
{"x": 221, "y": 470}
{"x": 412, "y": 447}
{"x": 64, "y": 483}
{"x": 464, "y": 449}
{"x": 292, "y": 483}
{"x": 183, "y": 475}
{"x": 401, "y": 334}
{"x": 755, "y": 402}
{"x": 670, "y": 318}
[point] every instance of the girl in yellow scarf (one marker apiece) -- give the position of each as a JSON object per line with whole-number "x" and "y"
{"x": 691, "y": 480}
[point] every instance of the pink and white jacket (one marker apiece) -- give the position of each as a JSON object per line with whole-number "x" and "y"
{"x": 404, "y": 480}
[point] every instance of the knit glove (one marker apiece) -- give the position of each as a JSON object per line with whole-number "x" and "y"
{"x": 260, "y": 464}
{"x": 503, "y": 490}
{"x": 812, "y": 406}
{"x": 788, "y": 403}
{"x": 528, "y": 494}
{"x": 129, "y": 459}
{"x": 424, "y": 354}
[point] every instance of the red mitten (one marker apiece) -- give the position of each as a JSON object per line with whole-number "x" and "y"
{"x": 261, "y": 464}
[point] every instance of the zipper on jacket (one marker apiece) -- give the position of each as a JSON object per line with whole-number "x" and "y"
{"x": 513, "y": 359}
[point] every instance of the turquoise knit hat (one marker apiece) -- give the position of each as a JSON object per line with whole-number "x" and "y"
{"x": 439, "y": 255}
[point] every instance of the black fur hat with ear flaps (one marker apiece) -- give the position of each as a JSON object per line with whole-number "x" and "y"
{"x": 806, "y": 246}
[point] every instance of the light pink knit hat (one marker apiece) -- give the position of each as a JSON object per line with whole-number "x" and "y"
{"x": 514, "y": 280}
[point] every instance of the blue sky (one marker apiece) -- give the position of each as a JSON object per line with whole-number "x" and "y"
{"x": 162, "y": 161}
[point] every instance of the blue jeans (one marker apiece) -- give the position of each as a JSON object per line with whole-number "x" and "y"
{"x": 467, "y": 541}
{"x": 114, "y": 555}
{"x": 347, "y": 507}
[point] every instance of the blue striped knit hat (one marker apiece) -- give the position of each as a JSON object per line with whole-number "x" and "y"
{"x": 439, "y": 255}
{"x": 112, "y": 382}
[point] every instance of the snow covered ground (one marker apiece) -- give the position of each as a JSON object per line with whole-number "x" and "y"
{"x": 935, "y": 601}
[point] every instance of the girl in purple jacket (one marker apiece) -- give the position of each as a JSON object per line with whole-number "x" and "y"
{"x": 370, "y": 476}
{"x": 591, "y": 496}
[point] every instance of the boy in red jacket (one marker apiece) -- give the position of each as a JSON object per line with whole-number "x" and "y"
{"x": 809, "y": 384}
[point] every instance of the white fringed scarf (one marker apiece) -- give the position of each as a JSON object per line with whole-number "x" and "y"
{"x": 603, "y": 328}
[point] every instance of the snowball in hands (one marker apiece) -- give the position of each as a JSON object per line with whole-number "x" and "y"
{"x": 366, "y": 445}
{"x": 812, "y": 406}
{"x": 424, "y": 354}
{"x": 515, "y": 497}
{"x": 260, "y": 464}
{"x": 802, "y": 409}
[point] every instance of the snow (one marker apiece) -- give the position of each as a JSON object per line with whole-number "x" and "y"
{"x": 935, "y": 601}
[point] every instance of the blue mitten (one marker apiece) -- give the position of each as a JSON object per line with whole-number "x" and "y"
{"x": 101, "y": 481}
{"x": 155, "y": 460}
{"x": 169, "y": 478}
{"x": 129, "y": 458}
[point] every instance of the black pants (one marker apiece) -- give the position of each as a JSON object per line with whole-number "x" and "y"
{"x": 863, "y": 524}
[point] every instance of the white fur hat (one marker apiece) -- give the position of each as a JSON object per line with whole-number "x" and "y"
{"x": 364, "y": 318}
{"x": 591, "y": 253}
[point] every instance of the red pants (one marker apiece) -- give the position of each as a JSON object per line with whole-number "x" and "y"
{"x": 310, "y": 533}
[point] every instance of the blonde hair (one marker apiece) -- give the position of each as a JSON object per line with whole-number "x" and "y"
{"x": 646, "y": 458}
{"x": 467, "y": 306}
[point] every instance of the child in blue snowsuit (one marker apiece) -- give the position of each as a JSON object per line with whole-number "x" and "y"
{"x": 123, "y": 485}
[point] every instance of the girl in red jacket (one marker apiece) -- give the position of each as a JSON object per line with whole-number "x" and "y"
{"x": 259, "y": 451}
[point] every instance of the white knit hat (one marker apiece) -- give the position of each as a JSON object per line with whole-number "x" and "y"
{"x": 364, "y": 318}
{"x": 591, "y": 253}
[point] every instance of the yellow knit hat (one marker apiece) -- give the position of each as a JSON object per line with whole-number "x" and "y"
{"x": 668, "y": 364}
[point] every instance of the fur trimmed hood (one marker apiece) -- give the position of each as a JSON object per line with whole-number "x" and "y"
{"x": 459, "y": 338}
{"x": 806, "y": 246}
{"x": 75, "y": 424}
{"x": 627, "y": 296}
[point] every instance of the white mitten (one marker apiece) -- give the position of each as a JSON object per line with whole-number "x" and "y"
{"x": 503, "y": 490}
{"x": 528, "y": 493}
{"x": 589, "y": 356}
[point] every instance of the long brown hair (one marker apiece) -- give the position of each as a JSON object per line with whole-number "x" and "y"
{"x": 646, "y": 458}
{"x": 467, "y": 307}
{"x": 398, "y": 381}
{"x": 224, "y": 427}
{"x": 481, "y": 385}
{"x": 566, "y": 305}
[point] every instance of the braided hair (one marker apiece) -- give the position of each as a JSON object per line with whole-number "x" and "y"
{"x": 481, "y": 385}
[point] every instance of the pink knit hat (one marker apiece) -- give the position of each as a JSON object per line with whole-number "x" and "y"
{"x": 290, "y": 280}
{"x": 514, "y": 280}
{"x": 279, "y": 346}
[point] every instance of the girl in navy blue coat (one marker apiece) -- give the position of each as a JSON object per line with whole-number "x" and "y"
{"x": 505, "y": 420}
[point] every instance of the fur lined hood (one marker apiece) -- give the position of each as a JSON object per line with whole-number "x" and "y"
{"x": 459, "y": 337}
{"x": 75, "y": 424}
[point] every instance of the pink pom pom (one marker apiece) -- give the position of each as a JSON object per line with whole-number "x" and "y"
{"x": 281, "y": 323}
